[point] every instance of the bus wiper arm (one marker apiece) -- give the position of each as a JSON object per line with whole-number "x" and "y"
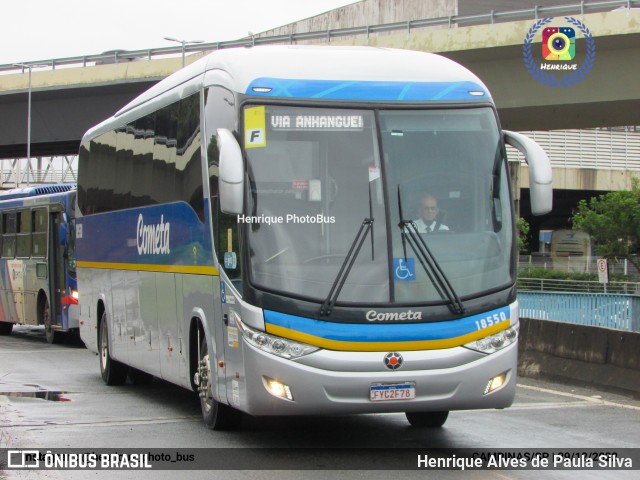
{"x": 438, "y": 278}
{"x": 367, "y": 226}
{"x": 347, "y": 264}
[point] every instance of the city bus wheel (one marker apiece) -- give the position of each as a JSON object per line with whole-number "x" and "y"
{"x": 50, "y": 333}
{"x": 5, "y": 328}
{"x": 216, "y": 415}
{"x": 112, "y": 371}
{"x": 427, "y": 419}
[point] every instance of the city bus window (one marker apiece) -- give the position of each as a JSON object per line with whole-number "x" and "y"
{"x": 39, "y": 228}
{"x": 24, "y": 234}
{"x": 188, "y": 158}
{"x": 123, "y": 158}
{"x": 164, "y": 152}
{"x": 141, "y": 187}
{"x": 9, "y": 235}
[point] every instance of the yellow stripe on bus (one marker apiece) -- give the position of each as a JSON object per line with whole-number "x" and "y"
{"x": 191, "y": 269}
{"x": 341, "y": 345}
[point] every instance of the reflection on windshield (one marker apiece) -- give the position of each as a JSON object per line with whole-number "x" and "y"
{"x": 311, "y": 171}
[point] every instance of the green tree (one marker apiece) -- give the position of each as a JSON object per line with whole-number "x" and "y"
{"x": 612, "y": 220}
{"x": 523, "y": 232}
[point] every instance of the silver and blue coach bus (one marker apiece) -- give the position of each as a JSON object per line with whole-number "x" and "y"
{"x": 247, "y": 228}
{"x": 37, "y": 260}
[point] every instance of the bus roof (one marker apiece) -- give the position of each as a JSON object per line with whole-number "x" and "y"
{"x": 314, "y": 72}
{"x": 36, "y": 191}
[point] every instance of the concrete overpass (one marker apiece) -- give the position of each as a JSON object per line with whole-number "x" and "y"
{"x": 66, "y": 101}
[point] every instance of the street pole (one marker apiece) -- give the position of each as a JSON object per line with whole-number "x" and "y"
{"x": 29, "y": 67}
{"x": 184, "y": 44}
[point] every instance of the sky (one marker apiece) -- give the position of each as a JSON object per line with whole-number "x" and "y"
{"x": 35, "y": 30}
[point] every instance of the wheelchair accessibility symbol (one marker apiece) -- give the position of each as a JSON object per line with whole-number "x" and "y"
{"x": 404, "y": 269}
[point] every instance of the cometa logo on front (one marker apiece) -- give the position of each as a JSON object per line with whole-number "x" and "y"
{"x": 153, "y": 239}
{"x": 374, "y": 316}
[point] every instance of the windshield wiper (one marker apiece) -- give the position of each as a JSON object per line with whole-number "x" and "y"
{"x": 365, "y": 228}
{"x": 410, "y": 235}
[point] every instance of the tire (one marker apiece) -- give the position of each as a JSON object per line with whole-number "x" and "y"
{"x": 216, "y": 415}
{"x": 52, "y": 335}
{"x": 427, "y": 419}
{"x": 6, "y": 328}
{"x": 112, "y": 371}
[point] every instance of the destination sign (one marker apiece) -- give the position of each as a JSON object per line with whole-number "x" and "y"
{"x": 316, "y": 122}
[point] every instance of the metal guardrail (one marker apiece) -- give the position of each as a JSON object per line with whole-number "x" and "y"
{"x": 578, "y": 264}
{"x": 492, "y": 17}
{"x": 546, "y": 285}
{"x": 620, "y": 312}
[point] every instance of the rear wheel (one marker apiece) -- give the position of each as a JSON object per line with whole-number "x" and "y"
{"x": 52, "y": 335}
{"x": 112, "y": 371}
{"x": 427, "y": 419}
{"x": 216, "y": 415}
{"x": 6, "y": 328}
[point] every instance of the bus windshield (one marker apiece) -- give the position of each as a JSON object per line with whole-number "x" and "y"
{"x": 317, "y": 175}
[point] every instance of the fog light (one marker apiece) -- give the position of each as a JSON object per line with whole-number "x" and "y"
{"x": 495, "y": 383}
{"x": 278, "y": 389}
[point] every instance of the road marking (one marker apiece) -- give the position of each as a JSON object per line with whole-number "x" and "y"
{"x": 549, "y": 405}
{"x": 584, "y": 398}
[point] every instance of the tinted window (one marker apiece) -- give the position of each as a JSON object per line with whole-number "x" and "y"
{"x": 9, "y": 234}
{"x": 155, "y": 159}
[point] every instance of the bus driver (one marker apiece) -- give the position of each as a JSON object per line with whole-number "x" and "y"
{"x": 429, "y": 220}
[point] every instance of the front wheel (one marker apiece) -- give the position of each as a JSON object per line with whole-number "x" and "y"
{"x": 216, "y": 415}
{"x": 427, "y": 419}
{"x": 112, "y": 371}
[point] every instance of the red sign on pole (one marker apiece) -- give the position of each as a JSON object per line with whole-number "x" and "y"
{"x": 603, "y": 270}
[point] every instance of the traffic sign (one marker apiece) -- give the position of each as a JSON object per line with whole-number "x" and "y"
{"x": 603, "y": 270}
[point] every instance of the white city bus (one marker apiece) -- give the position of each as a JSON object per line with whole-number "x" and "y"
{"x": 246, "y": 229}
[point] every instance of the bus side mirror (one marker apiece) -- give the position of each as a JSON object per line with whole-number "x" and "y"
{"x": 540, "y": 176}
{"x": 231, "y": 174}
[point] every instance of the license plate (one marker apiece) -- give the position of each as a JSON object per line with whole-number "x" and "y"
{"x": 381, "y": 392}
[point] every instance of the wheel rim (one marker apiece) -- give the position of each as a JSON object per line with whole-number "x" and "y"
{"x": 46, "y": 318}
{"x": 204, "y": 387}
{"x": 104, "y": 347}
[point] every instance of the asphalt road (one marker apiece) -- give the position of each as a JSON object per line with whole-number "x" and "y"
{"x": 81, "y": 412}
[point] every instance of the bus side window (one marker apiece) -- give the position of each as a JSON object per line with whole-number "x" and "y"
{"x": 9, "y": 235}
{"x": 23, "y": 234}
{"x": 39, "y": 235}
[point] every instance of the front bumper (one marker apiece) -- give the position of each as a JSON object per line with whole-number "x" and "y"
{"x": 329, "y": 382}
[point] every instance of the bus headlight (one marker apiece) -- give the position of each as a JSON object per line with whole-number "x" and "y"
{"x": 279, "y": 346}
{"x": 498, "y": 341}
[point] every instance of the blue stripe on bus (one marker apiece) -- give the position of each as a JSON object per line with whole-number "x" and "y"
{"x": 119, "y": 237}
{"x": 388, "y": 332}
{"x": 366, "y": 90}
